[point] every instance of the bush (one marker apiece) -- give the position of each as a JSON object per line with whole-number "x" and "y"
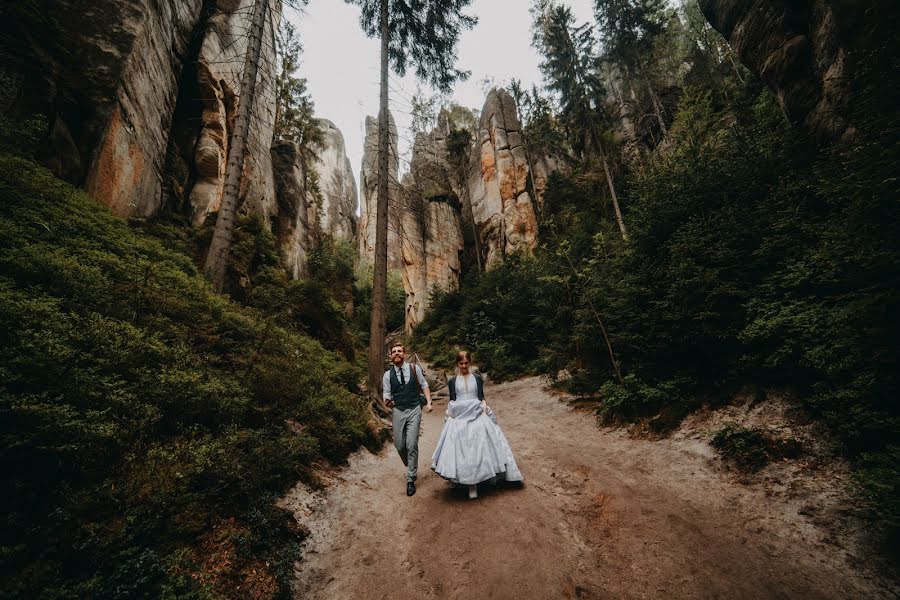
{"x": 750, "y": 449}
{"x": 139, "y": 409}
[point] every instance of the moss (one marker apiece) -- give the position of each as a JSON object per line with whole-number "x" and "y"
{"x": 139, "y": 408}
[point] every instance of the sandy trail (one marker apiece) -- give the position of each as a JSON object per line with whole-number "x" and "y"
{"x": 601, "y": 515}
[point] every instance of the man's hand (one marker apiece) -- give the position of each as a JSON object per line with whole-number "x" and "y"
{"x": 389, "y": 403}
{"x": 429, "y": 407}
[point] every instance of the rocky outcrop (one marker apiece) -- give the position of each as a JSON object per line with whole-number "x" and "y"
{"x": 219, "y": 66}
{"x": 105, "y": 73}
{"x": 295, "y": 218}
{"x": 467, "y": 192}
{"x": 368, "y": 183}
{"x": 304, "y": 214}
{"x": 336, "y": 184}
{"x": 140, "y": 95}
{"x": 501, "y": 206}
{"x": 808, "y": 53}
{"x": 431, "y": 225}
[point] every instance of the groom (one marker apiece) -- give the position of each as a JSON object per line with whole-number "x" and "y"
{"x": 402, "y": 385}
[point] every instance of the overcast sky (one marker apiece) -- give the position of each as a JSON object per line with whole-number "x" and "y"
{"x": 341, "y": 64}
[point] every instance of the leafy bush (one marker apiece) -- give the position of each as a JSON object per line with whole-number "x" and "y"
{"x": 750, "y": 449}
{"x": 141, "y": 412}
{"x": 362, "y": 301}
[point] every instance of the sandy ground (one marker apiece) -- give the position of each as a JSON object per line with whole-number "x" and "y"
{"x": 601, "y": 515}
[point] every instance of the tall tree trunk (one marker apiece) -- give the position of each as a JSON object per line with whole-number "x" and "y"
{"x": 220, "y": 246}
{"x": 379, "y": 285}
{"x": 615, "y": 198}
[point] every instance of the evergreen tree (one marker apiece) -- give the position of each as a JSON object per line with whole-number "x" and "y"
{"x": 295, "y": 119}
{"x": 294, "y": 110}
{"x": 628, "y": 29}
{"x": 571, "y": 69}
{"x": 422, "y": 34}
{"x": 220, "y": 246}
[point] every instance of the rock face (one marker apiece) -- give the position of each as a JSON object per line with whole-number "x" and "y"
{"x": 303, "y": 216}
{"x": 431, "y": 224}
{"x": 295, "y": 219}
{"x": 501, "y": 206}
{"x": 466, "y": 195}
{"x": 105, "y": 73}
{"x": 806, "y": 52}
{"x": 368, "y": 183}
{"x": 337, "y": 185}
{"x": 219, "y": 67}
{"x": 141, "y": 95}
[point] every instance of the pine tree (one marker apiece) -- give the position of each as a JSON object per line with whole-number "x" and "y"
{"x": 295, "y": 119}
{"x": 628, "y": 29}
{"x": 422, "y": 34}
{"x": 220, "y": 246}
{"x": 571, "y": 69}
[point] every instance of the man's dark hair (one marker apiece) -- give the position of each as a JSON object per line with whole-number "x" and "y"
{"x": 398, "y": 346}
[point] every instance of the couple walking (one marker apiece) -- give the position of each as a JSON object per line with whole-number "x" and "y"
{"x": 471, "y": 449}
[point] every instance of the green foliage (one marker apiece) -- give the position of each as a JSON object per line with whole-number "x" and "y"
{"x": 362, "y": 302}
{"x": 139, "y": 409}
{"x": 421, "y": 34}
{"x": 571, "y": 69}
{"x": 294, "y": 111}
{"x": 498, "y": 318}
{"x": 750, "y": 449}
{"x": 21, "y": 138}
{"x": 754, "y": 258}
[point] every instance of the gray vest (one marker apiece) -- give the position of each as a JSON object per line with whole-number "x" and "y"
{"x": 405, "y": 396}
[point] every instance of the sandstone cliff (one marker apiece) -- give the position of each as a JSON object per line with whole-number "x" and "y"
{"x": 336, "y": 184}
{"x": 105, "y": 73}
{"x": 466, "y": 195}
{"x": 121, "y": 81}
{"x": 304, "y": 214}
{"x": 502, "y": 208}
{"x": 368, "y": 184}
{"x": 219, "y": 66}
{"x": 808, "y": 53}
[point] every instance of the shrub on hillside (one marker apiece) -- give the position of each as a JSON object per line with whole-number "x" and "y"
{"x": 141, "y": 411}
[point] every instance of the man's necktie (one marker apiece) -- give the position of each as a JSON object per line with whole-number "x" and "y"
{"x": 402, "y": 380}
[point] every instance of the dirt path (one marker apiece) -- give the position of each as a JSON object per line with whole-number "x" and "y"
{"x": 600, "y": 516}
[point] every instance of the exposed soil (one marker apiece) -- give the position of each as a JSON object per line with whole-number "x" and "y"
{"x": 601, "y": 515}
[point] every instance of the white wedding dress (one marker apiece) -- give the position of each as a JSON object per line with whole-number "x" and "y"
{"x": 472, "y": 449}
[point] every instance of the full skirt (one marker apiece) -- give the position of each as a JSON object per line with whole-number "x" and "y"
{"x": 472, "y": 448}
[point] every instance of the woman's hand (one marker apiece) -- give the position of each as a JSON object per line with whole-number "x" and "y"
{"x": 484, "y": 407}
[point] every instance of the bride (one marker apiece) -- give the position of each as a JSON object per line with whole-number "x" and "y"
{"x": 471, "y": 449}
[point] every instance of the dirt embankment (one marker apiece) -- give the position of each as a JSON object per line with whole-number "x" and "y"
{"x": 601, "y": 515}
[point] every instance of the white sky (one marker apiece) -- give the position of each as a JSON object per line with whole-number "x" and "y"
{"x": 341, "y": 64}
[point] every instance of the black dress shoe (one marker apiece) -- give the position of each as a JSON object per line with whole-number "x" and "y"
{"x": 410, "y": 488}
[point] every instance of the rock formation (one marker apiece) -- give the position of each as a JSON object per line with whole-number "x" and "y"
{"x": 105, "y": 73}
{"x": 110, "y": 76}
{"x": 466, "y": 194}
{"x": 296, "y": 217}
{"x": 432, "y": 238}
{"x": 219, "y": 66}
{"x": 807, "y": 52}
{"x": 336, "y": 184}
{"x": 368, "y": 184}
{"x": 305, "y": 214}
{"x": 502, "y": 208}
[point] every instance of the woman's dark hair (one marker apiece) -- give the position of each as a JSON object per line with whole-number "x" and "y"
{"x": 463, "y": 354}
